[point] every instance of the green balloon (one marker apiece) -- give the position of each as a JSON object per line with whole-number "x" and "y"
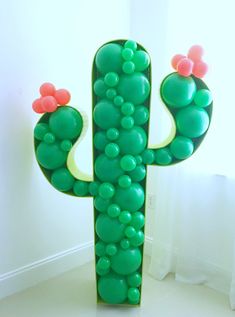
{"x": 112, "y": 134}
{"x": 106, "y": 115}
{"x": 111, "y": 79}
{"x": 100, "y": 248}
{"x": 124, "y": 181}
{"x": 141, "y": 60}
{"x": 130, "y": 232}
{"x": 108, "y": 229}
{"x": 112, "y": 288}
{"x": 66, "y": 123}
{"x": 109, "y": 58}
{"x": 111, "y": 93}
{"x": 111, "y": 249}
{"x": 50, "y": 156}
{"x": 40, "y": 130}
{"x": 134, "y": 280}
{"x": 182, "y": 147}
{"x": 127, "y": 108}
{"x": 134, "y": 88}
{"x": 62, "y": 179}
{"x": 125, "y": 217}
{"x": 125, "y": 244}
{"x": 133, "y": 295}
{"x": 114, "y": 211}
{"x": 49, "y": 138}
{"x": 131, "y": 44}
{"x": 112, "y": 150}
{"x": 192, "y": 121}
{"x": 132, "y": 141}
{"x": 137, "y": 239}
{"x": 94, "y": 188}
{"x": 141, "y": 115}
{"x": 137, "y": 220}
{"x": 138, "y": 174}
{"x": 108, "y": 169}
{"x": 127, "y": 54}
{"x": 66, "y": 145}
{"x": 101, "y": 204}
{"x": 101, "y": 271}
{"x": 203, "y": 98}
{"x": 131, "y": 198}
{"x": 163, "y": 156}
{"x": 100, "y": 140}
{"x": 100, "y": 88}
{"x": 148, "y": 156}
{"x": 178, "y": 91}
{"x": 80, "y": 188}
{"x": 103, "y": 263}
{"x": 106, "y": 190}
{"x": 125, "y": 262}
{"x": 128, "y": 163}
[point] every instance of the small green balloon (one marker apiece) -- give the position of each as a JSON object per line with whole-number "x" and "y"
{"x": 128, "y": 163}
{"x": 114, "y": 210}
{"x": 62, "y": 179}
{"x": 111, "y": 93}
{"x": 127, "y": 122}
{"x": 125, "y": 262}
{"x": 163, "y": 156}
{"x": 125, "y": 244}
{"x": 203, "y": 98}
{"x": 127, "y": 54}
{"x": 50, "y": 156}
{"x": 138, "y": 174}
{"x": 131, "y": 198}
{"x": 133, "y": 295}
{"x": 109, "y": 58}
{"x": 80, "y": 188}
{"x": 130, "y": 232}
{"x": 137, "y": 239}
{"x": 132, "y": 141}
{"x": 128, "y": 67}
{"x": 192, "y": 121}
{"x": 66, "y": 123}
{"x": 112, "y": 288}
{"x": 106, "y": 190}
{"x": 131, "y": 44}
{"x": 66, "y": 145}
{"x": 137, "y": 220}
{"x": 101, "y": 204}
{"x": 138, "y": 159}
{"x": 100, "y": 140}
{"x": 148, "y": 156}
{"x": 182, "y": 147}
{"x": 127, "y": 108}
{"x": 107, "y": 169}
{"x": 178, "y": 91}
{"x": 100, "y": 88}
{"x": 125, "y": 217}
{"x": 102, "y": 272}
{"x": 124, "y": 181}
{"x": 49, "y": 138}
{"x": 100, "y": 248}
{"x": 118, "y": 101}
{"x": 112, "y": 134}
{"x": 134, "y": 88}
{"x": 141, "y": 60}
{"x": 103, "y": 263}
{"x": 111, "y": 79}
{"x": 112, "y": 150}
{"x": 40, "y": 130}
{"x": 141, "y": 115}
{"x": 134, "y": 280}
{"x": 109, "y": 230}
{"x": 94, "y": 188}
{"x": 111, "y": 249}
{"x": 106, "y": 115}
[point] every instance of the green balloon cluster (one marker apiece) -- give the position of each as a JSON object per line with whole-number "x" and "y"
{"x": 121, "y": 99}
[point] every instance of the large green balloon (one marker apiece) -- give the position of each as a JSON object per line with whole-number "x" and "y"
{"x": 131, "y": 198}
{"x": 125, "y": 262}
{"x": 113, "y": 288}
{"x": 178, "y": 91}
{"x": 109, "y": 58}
{"x": 134, "y": 88}
{"x": 108, "y": 169}
{"x": 192, "y": 121}
{"x": 66, "y": 123}
{"x": 50, "y": 156}
{"x": 132, "y": 141}
{"x": 106, "y": 115}
{"x": 108, "y": 229}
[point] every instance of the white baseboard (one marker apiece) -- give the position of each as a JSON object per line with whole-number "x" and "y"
{"x": 36, "y": 272}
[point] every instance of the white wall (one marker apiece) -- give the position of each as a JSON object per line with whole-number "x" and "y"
{"x": 45, "y": 41}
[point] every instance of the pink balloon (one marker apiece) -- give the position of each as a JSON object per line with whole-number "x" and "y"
{"x": 185, "y": 67}
{"x": 195, "y": 53}
{"x": 37, "y": 106}
{"x": 47, "y": 89}
{"x": 49, "y": 104}
{"x": 200, "y": 69}
{"x": 62, "y": 96}
{"x": 175, "y": 60}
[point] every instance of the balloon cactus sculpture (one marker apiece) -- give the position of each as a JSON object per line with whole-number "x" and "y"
{"x": 121, "y": 82}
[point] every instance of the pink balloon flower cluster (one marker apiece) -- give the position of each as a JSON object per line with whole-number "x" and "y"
{"x": 50, "y": 98}
{"x": 190, "y": 64}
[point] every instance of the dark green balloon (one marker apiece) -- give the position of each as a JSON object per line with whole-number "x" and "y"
{"x": 109, "y": 58}
{"x": 101, "y": 204}
{"x": 112, "y": 288}
{"x": 100, "y": 88}
{"x": 134, "y": 88}
{"x": 134, "y": 280}
{"x": 108, "y": 229}
{"x": 108, "y": 169}
{"x": 40, "y": 130}
{"x": 131, "y": 198}
{"x": 62, "y": 179}
{"x": 106, "y": 115}
{"x": 66, "y": 123}
{"x": 163, "y": 156}
{"x": 125, "y": 262}
{"x": 192, "y": 121}
{"x": 182, "y": 147}
{"x": 100, "y": 140}
{"x": 138, "y": 174}
{"x": 132, "y": 141}
{"x": 50, "y": 156}
{"x": 178, "y": 91}
{"x": 80, "y": 188}
{"x": 141, "y": 115}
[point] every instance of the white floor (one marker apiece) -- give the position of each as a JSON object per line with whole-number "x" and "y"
{"x": 73, "y": 294}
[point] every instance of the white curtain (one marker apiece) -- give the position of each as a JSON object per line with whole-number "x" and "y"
{"x": 195, "y": 201}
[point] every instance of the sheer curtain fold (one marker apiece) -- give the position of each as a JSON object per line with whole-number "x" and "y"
{"x": 194, "y": 232}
